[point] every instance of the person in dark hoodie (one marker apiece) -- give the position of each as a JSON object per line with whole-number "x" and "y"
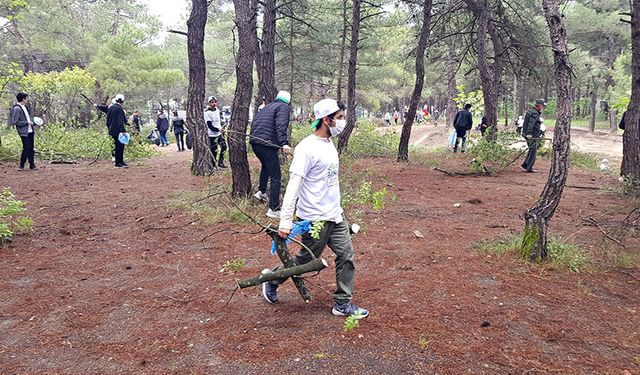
{"x": 463, "y": 122}
{"x": 162, "y": 124}
{"x": 532, "y": 133}
{"x": 23, "y": 122}
{"x": 116, "y": 120}
{"x": 268, "y": 135}
{"x": 177, "y": 128}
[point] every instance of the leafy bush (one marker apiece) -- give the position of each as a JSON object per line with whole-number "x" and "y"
{"x": 12, "y": 217}
{"x": 489, "y": 157}
{"x": 367, "y": 141}
{"x": 56, "y": 141}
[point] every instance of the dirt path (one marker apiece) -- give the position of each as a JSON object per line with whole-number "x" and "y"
{"x": 113, "y": 281}
{"x": 598, "y": 143}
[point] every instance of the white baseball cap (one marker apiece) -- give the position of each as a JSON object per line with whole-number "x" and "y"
{"x": 325, "y": 107}
{"x": 119, "y": 97}
{"x": 285, "y": 96}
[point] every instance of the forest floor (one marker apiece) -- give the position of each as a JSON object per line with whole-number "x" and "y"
{"x": 119, "y": 277}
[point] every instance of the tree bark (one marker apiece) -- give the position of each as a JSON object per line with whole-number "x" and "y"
{"x": 534, "y": 242}
{"x": 592, "y": 108}
{"x": 451, "y": 86}
{"x": 351, "y": 86}
{"x": 631, "y": 136}
{"x": 423, "y": 41}
{"x": 490, "y": 73}
{"x": 267, "y": 82}
{"x": 343, "y": 45}
{"x": 240, "y": 174}
{"x": 202, "y": 164}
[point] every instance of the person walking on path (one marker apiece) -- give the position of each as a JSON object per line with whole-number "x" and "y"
{"x": 177, "y": 128}
{"x": 268, "y": 135}
{"x": 532, "y": 133}
{"x": 23, "y": 122}
{"x": 483, "y": 125}
{"x": 116, "y": 120}
{"x": 214, "y": 127}
{"x": 162, "y": 123}
{"x": 463, "y": 122}
{"x": 314, "y": 185}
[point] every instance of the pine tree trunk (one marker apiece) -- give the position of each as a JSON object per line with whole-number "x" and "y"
{"x": 592, "y": 108}
{"x": 537, "y": 217}
{"x": 631, "y": 136}
{"x": 202, "y": 164}
{"x": 343, "y": 46}
{"x": 403, "y": 149}
{"x": 267, "y": 83}
{"x": 451, "y": 86}
{"x": 240, "y": 174}
{"x": 490, "y": 73}
{"x": 351, "y": 86}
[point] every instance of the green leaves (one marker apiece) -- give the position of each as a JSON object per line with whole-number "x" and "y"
{"x": 12, "y": 217}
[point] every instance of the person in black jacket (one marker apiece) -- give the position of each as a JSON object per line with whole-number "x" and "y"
{"x": 23, "y": 122}
{"x": 268, "y": 135}
{"x": 621, "y": 125}
{"x": 116, "y": 120}
{"x": 531, "y": 131}
{"x": 463, "y": 122}
{"x": 177, "y": 128}
{"x": 136, "y": 122}
{"x": 162, "y": 124}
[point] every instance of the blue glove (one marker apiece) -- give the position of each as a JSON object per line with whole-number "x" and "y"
{"x": 299, "y": 227}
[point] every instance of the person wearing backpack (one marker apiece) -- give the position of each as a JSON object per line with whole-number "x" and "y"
{"x": 177, "y": 128}
{"x": 463, "y": 122}
{"x": 21, "y": 119}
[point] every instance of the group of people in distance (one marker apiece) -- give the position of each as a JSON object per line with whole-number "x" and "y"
{"x": 531, "y": 130}
{"x": 313, "y": 190}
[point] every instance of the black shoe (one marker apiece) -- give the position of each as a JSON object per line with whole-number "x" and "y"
{"x": 221, "y": 165}
{"x": 523, "y": 167}
{"x": 21, "y": 168}
{"x": 121, "y": 166}
{"x": 33, "y": 168}
{"x": 125, "y": 164}
{"x": 532, "y": 170}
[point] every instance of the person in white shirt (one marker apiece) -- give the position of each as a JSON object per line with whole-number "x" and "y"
{"x": 23, "y": 122}
{"x": 214, "y": 128}
{"x": 314, "y": 185}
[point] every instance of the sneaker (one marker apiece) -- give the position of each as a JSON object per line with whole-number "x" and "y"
{"x": 273, "y": 214}
{"x": 125, "y": 165}
{"x": 260, "y": 196}
{"x": 33, "y": 168}
{"x": 350, "y": 309}
{"x": 269, "y": 291}
{"x": 221, "y": 165}
{"x": 21, "y": 168}
{"x": 121, "y": 166}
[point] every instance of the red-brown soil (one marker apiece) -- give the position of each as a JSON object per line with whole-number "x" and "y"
{"x": 115, "y": 282}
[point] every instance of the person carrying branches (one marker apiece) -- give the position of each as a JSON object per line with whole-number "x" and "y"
{"x": 532, "y": 133}
{"x": 314, "y": 184}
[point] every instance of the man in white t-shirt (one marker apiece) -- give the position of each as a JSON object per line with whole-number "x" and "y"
{"x": 214, "y": 129}
{"x": 314, "y": 184}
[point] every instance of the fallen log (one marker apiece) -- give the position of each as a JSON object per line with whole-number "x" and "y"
{"x": 315, "y": 265}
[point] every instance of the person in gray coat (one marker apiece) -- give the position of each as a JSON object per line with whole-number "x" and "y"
{"x": 23, "y": 122}
{"x": 532, "y": 133}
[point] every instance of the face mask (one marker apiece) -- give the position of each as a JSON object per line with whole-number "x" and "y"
{"x": 340, "y": 124}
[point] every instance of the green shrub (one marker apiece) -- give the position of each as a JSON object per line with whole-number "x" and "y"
{"x": 56, "y": 141}
{"x": 489, "y": 157}
{"x": 366, "y": 141}
{"x": 12, "y": 217}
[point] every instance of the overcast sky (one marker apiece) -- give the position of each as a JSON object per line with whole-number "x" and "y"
{"x": 170, "y": 12}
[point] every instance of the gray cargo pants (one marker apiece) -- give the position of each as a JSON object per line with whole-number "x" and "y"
{"x": 338, "y": 238}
